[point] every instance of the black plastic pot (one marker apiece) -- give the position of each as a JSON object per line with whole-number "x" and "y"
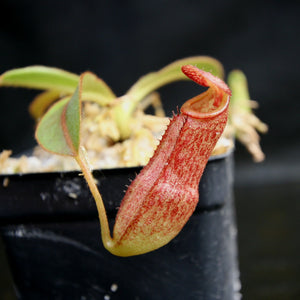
{"x": 51, "y": 231}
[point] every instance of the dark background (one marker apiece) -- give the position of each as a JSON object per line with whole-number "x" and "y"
{"x": 122, "y": 40}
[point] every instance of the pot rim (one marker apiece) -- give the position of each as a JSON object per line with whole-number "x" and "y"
{"x": 69, "y": 172}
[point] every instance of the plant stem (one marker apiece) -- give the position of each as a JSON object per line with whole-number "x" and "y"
{"x": 84, "y": 166}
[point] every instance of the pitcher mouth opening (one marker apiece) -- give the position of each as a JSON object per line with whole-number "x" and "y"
{"x": 204, "y": 105}
{"x": 210, "y": 103}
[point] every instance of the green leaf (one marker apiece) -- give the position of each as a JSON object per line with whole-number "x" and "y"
{"x": 47, "y": 78}
{"x": 40, "y": 77}
{"x": 71, "y": 120}
{"x": 50, "y": 133}
{"x": 238, "y": 84}
{"x": 96, "y": 89}
{"x": 171, "y": 73}
{"x": 59, "y": 130}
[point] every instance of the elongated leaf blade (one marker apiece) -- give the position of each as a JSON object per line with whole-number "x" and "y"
{"x": 40, "y": 77}
{"x": 54, "y": 79}
{"x": 171, "y": 73}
